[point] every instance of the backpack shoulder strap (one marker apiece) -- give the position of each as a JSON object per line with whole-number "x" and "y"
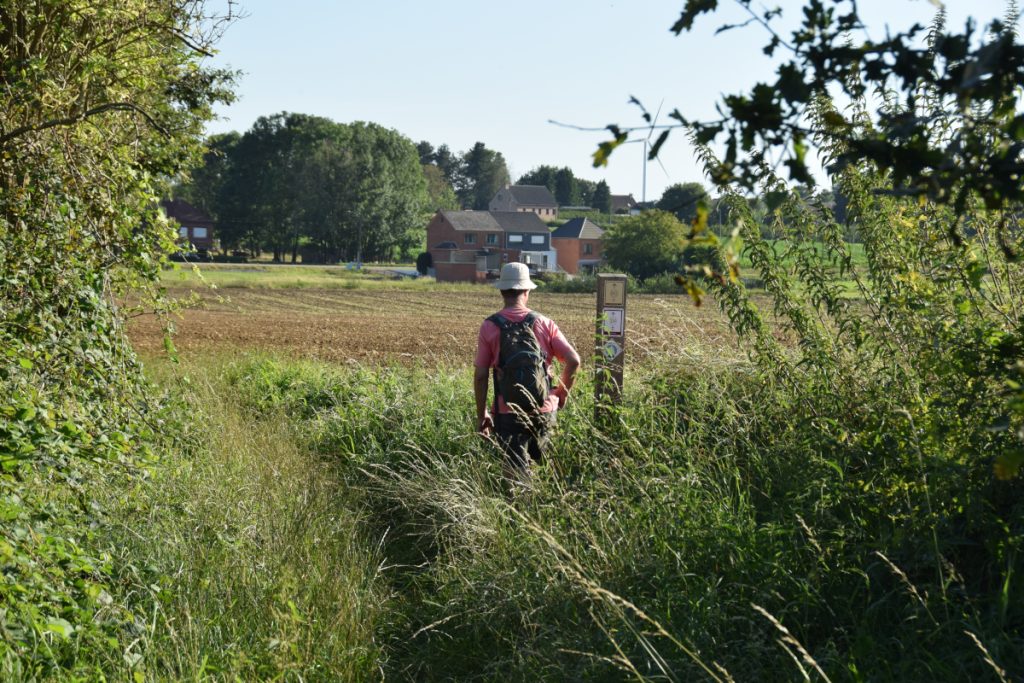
{"x": 502, "y": 324}
{"x": 528, "y": 321}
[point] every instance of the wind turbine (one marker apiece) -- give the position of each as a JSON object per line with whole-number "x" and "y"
{"x": 647, "y": 143}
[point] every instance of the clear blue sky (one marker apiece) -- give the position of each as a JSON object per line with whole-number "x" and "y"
{"x": 458, "y": 71}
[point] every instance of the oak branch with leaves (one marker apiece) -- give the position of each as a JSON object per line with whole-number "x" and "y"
{"x": 969, "y": 145}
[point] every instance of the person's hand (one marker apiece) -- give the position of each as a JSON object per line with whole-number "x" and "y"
{"x": 562, "y": 395}
{"x": 486, "y": 425}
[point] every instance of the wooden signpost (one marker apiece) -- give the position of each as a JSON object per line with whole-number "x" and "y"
{"x": 610, "y": 351}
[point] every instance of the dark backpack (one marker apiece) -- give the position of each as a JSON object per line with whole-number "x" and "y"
{"x": 521, "y": 377}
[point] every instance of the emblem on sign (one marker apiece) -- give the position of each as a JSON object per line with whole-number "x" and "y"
{"x": 611, "y": 350}
{"x": 615, "y": 293}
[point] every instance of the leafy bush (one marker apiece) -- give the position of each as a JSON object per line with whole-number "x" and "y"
{"x": 721, "y": 505}
{"x": 587, "y": 284}
{"x": 87, "y": 127}
{"x": 907, "y": 393}
{"x": 646, "y": 245}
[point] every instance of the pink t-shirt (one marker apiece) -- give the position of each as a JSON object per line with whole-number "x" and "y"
{"x": 552, "y": 344}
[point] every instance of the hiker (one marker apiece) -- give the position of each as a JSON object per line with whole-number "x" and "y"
{"x": 517, "y": 345}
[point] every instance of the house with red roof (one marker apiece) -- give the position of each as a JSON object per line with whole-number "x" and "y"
{"x": 579, "y": 244}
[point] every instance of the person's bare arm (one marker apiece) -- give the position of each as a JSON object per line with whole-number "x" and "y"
{"x": 570, "y": 364}
{"x": 484, "y": 422}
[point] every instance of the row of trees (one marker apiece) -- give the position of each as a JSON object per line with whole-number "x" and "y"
{"x": 683, "y": 199}
{"x": 295, "y": 183}
{"x": 472, "y": 178}
{"x": 298, "y": 183}
{"x": 570, "y": 190}
{"x": 349, "y": 191}
{"x": 477, "y": 174}
{"x": 659, "y": 241}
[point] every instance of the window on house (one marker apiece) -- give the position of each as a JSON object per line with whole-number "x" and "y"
{"x": 470, "y": 238}
{"x": 512, "y": 239}
{"x": 492, "y": 239}
{"x": 536, "y": 239}
{"x": 199, "y": 233}
{"x": 588, "y": 249}
{"x": 183, "y": 232}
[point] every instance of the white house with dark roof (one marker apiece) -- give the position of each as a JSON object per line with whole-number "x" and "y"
{"x": 526, "y": 198}
{"x": 465, "y": 246}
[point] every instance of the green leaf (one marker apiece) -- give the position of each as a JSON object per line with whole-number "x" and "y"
{"x": 25, "y": 363}
{"x": 169, "y": 347}
{"x": 1007, "y": 466}
{"x": 61, "y": 627}
{"x": 976, "y": 271}
{"x": 605, "y": 149}
{"x": 658, "y": 143}
{"x": 836, "y": 467}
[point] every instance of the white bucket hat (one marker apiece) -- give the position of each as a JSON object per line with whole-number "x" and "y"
{"x": 515, "y": 276}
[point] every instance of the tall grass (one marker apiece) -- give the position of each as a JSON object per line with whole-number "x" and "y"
{"x": 240, "y": 554}
{"x": 701, "y": 534}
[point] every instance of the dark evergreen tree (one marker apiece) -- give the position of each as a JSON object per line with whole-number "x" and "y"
{"x": 602, "y": 199}
{"x": 449, "y": 163}
{"x": 426, "y": 152}
{"x": 567, "y": 189}
{"x": 542, "y": 175}
{"x": 483, "y": 174}
{"x": 586, "y": 195}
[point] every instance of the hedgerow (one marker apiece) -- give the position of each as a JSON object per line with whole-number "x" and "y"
{"x": 100, "y": 104}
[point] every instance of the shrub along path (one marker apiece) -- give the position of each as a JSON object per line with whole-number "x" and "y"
{"x": 343, "y": 523}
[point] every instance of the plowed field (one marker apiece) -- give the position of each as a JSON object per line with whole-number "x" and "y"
{"x": 435, "y": 328}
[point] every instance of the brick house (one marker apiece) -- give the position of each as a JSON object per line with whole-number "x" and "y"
{"x": 579, "y": 244}
{"x": 526, "y": 198}
{"x": 194, "y": 225}
{"x": 465, "y": 246}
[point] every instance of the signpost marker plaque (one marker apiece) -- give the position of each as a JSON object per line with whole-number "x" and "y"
{"x": 610, "y": 347}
